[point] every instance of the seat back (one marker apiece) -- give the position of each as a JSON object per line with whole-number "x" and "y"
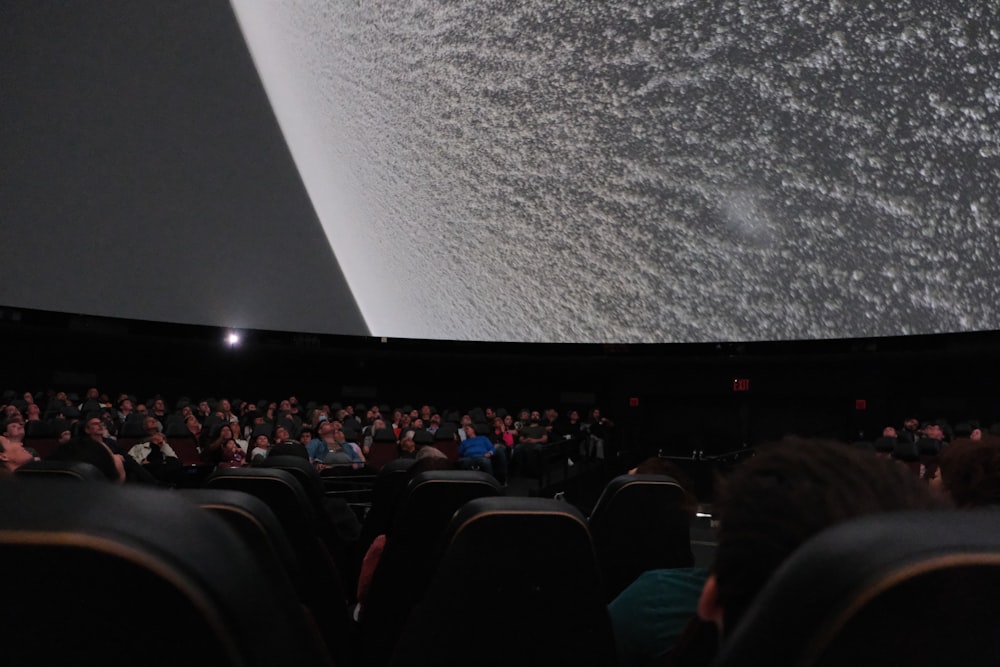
{"x": 523, "y": 567}
{"x": 908, "y": 588}
{"x": 137, "y": 575}
{"x": 390, "y": 482}
{"x": 186, "y": 449}
{"x": 310, "y": 536}
{"x": 412, "y": 550}
{"x": 257, "y": 526}
{"x": 69, "y": 470}
{"x": 640, "y": 523}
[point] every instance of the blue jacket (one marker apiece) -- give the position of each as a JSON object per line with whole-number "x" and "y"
{"x": 474, "y": 447}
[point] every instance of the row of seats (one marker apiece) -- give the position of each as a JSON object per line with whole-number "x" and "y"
{"x": 414, "y": 515}
{"x": 501, "y": 581}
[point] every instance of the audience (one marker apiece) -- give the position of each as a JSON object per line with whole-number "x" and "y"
{"x": 765, "y": 509}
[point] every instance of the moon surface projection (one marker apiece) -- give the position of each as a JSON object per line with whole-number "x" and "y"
{"x": 620, "y": 171}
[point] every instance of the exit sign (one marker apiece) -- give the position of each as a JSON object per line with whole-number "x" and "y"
{"x": 741, "y": 384}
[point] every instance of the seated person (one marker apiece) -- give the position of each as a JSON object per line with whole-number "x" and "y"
{"x": 342, "y": 452}
{"x": 154, "y": 450}
{"x": 13, "y": 455}
{"x": 777, "y": 500}
{"x": 259, "y": 450}
{"x": 969, "y": 474}
{"x": 478, "y": 451}
{"x": 232, "y": 455}
{"x": 91, "y": 448}
{"x": 649, "y": 616}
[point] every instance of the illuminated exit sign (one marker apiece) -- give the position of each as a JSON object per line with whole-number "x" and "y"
{"x": 741, "y": 384}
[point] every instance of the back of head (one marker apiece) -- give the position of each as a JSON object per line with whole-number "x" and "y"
{"x": 789, "y": 492}
{"x": 970, "y": 472}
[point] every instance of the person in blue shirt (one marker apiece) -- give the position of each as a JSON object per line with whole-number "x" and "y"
{"x": 478, "y": 451}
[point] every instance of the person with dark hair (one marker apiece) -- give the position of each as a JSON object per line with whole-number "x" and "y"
{"x": 232, "y": 455}
{"x": 259, "y": 448}
{"x": 13, "y": 455}
{"x": 14, "y": 429}
{"x": 91, "y": 448}
{"x": 786, "y": 494}
{"x": 910, "y": 431}
{"x": 124, "y": 411}
{"x": 970, "y": 474}
{"x": 599, "y": 427}
{"x": 211, "y": 448}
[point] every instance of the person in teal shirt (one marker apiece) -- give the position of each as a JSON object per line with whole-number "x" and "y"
{"x": 650, "y": 615}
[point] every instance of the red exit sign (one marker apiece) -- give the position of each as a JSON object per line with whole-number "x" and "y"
{"x": 741, "y": 384}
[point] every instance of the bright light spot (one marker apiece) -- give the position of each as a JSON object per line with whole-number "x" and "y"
{"x": 233, "y": 339}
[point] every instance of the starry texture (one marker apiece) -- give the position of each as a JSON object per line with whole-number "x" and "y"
{"x": 593, "y": 171}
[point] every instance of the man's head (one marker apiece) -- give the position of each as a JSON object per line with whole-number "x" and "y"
{"x": 14, "y": 429}
{"x": 150, "y": 425}
{"x": 933, "y": 430}
{"x": 125, "y": 405}
{"x": 13, "y": 455}
{"x": 786, "y": 494}
{"x": 305, "y": 434}
{"x": 970, "y": 474}
{"x": 94, "y": 428}
{"x": 281, "y": 434}
{"x": 157, "y": 440}
{"x": 325, "y": 431}
{"x": 911, "y": 423}
{"x": 470, "y": 430}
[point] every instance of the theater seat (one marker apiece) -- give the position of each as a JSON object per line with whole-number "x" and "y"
{"x": 518, "y": 585}
{"x": 908, "y": 589}
{"x": 118, "y": 576}
{"x": 390, "y": 482}
{"x": 412, "y": 551}
{"x": 313, "y": 539}
{"x": 67, "y": 470}
{"x": 257, "y": 526}
{"x": 640, "y": 523}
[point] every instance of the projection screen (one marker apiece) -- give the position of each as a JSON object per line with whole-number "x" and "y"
{"x": 585, "y": 171}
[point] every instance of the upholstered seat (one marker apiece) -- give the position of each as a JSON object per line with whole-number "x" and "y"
{"x": 518, "y": 584}
{"x": 897, "y": 589}
{"x": 99, "y": 574}
{"x": 640, "y": 523}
